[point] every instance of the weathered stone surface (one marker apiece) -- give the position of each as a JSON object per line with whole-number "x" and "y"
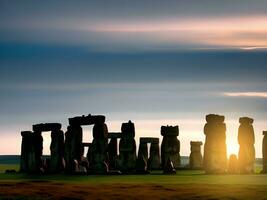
{"x": 233, "y": 164}
{"x": 100, "y": 149}
{"x": 154, "y": 157}
{"x": 215, "y": 159}
{"x": 170, "y": 146}
{"x": 57, "y": 151}
{"x": 264, "y": 152}
{"x": 246, "y": 140}
{"x": 46, "y": 127}
{"x": 87, "y": 120}
{"x": 169, "y": 168}
{"x": 127, "y": 148}
{"x": 195, "y": 155}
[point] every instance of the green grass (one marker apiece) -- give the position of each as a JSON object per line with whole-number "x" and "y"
{"x": 182, "y": 177}
{"x": 4, "y": 167}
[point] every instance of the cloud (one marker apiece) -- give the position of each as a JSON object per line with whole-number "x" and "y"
{"x": 246, "y": 94}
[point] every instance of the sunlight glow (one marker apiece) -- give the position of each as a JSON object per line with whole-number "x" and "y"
{"x": 246, "y": 94}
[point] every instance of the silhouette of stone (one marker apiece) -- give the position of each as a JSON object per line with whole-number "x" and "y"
{"x": 195, "y": 155}
{"x": 169, "y": 168}
{"x": 170, "y": 146}
{"x": 154, "y": 162}
{"x": 154, "y": 159}
{"x": 46, "y": 127}
{"x": 233, "y": 164}
{"x": 87, "y": 120}
{"x": 26, "y": 150}
{"x": 112, "y": 153}
{"x": 143, "y": 149}
{"x": 141, "y": 166}
{"x": 246, "y": 140}
{"x": 100, "y": 149}
{"x": 32, "y": 148}
{"x": 89, "y": 155}
{"x": 57, "y": 151}
{"x": 215, "y": 159}
{"x": 113, "y": 150}
{"x": 264, "y": 153}
{"x": 38, "y": 151}
{"x": 73, "y": 147}
{"x": 127, "y": 148}
{"x": 116, "y": 135}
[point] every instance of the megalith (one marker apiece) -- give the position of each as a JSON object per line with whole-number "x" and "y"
{"x": 246, "y": 140}
{"x": 113, "y": 150}
{"x": 154, "y": 162}
{"x": 195, "y": 160}
{"x": 170, "y": 146}
{"x": 27, "y": 156}
{"x": 57, "y": 151}
{"x": 100, "y": 149}
{"x": 73, "y": 147}
{"x": 127, "y": 148}
{"x": 264, "y": 153}
{"x": 214, "y": 159}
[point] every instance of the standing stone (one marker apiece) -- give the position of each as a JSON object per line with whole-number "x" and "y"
{"x": 73, "y": 147}
{"x": 246, "y": 140}
{"x": 170, "y": 146}
{"x": 112, "y": 153}
{"x": 195, "y": 155}
{"x": 143, "y": 150}
{"x": 57, "y": 151}
{"x": 100, "y": 149}
{"x": 89, "y": 155}
{"x": 141, "y": 165}
{"x": 25, "y": 150}
{"x": 68, "y": 150}
{"x": 127, "y": 148}
{"x": 154, "y": 157}
{"x": 264, "y": 153}
{"x": 38, "y": 151}
{"x": 233, "y": 164}
{"x": 215, "y": 159}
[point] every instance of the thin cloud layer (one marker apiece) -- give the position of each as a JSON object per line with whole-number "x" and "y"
{"x": 246, "y": 94}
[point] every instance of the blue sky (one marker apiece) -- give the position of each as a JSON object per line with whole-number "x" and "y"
{"x": 166, "y": 62}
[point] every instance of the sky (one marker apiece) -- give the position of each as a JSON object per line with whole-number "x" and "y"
{"x": 153, "y": 62}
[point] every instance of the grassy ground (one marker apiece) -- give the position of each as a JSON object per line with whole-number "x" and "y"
{"x": 4, "y": 167}
{"x": 184, "y": 185}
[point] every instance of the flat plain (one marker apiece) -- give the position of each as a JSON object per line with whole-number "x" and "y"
{"x": 186, "y": 184}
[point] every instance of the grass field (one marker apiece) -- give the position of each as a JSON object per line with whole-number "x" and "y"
{"x": 184, "y": 185}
